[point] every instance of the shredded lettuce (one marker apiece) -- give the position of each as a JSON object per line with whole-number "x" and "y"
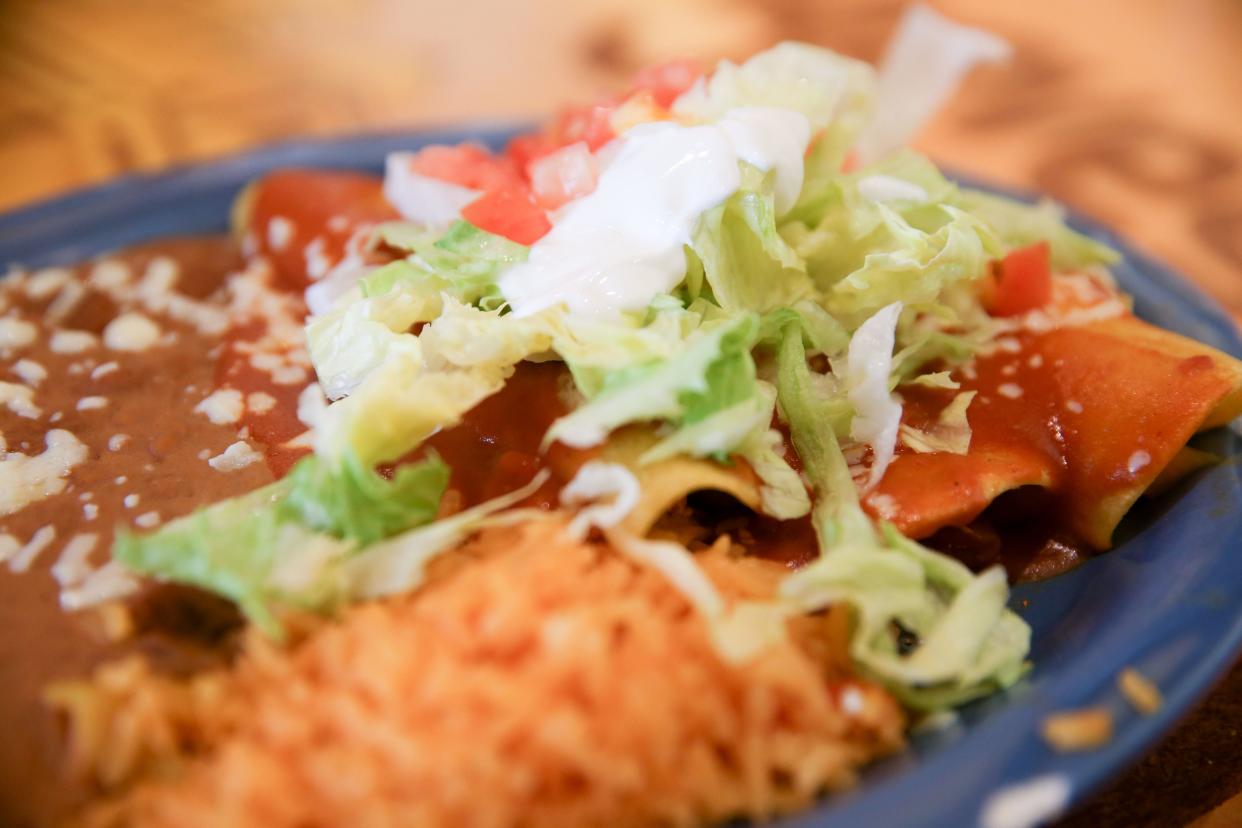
{"x": 400, "y": 405}
{"x": 713, "y": 372}
{"x": 951, "y": 432}
{"x": 926, "y": 60}
{"x": 963, "y": 642}
{"x": 233, "y": 549}
{"x": 465, "y": 262}
{"x": 746, "y": 263}
{"x": 1018, "y": 224}
{"x": 869, "y": 363}
{"x": 399, "y": 564}
{"x": 348, "y": 500}
{"x": 826, "y": 87}
{"x": 349, "y": 343}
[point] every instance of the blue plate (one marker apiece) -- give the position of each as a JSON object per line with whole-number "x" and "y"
{"x": 1168, "y": 600}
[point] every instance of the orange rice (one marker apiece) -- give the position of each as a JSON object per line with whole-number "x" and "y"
{"x": 537, "y": 681}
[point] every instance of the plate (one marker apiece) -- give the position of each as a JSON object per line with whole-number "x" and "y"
{"x": 1167, "y": 600}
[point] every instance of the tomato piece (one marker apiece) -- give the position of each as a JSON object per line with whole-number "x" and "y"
{"x": 1022, "y": 281}
{"x": 509, "y": 212}
{"x": 667, "y": 81}
{"x": 467, "y": 165}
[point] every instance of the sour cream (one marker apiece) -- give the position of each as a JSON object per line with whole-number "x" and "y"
{"x": 614, "y": 250}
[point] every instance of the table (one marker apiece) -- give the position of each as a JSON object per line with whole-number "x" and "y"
{"x": 1125, "y": 109}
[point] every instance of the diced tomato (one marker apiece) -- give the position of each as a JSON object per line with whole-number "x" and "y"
{"x": 592, "y": 124}
{"x": 1022, "y": 281}
{"x": 510, "y": 212}
{"x": 467, "y": 165}
{"x": 667, "y": 81}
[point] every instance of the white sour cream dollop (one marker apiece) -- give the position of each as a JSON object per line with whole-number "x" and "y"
{"x": 614, "y": 250}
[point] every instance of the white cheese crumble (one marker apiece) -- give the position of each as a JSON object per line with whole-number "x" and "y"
{"x": 1010, "y": 390}
{"x": 1138, "y": 461}
{"x": 131, "y": 332}
{"x": 1036, "y": 361}
{"x": 260, "y": 402}
{"x": 16, "y": 333}
{"x": 148, "y": 520}
{"x": 117, "y": 441}
{"x": 222, "y": 407}
{"x": 74, "y": 565}
{"x": 109, "y": 275}
{"x": 92, "y": 403}
{"x": 1074, "y": 405}
{"x": 8, "y": 546}
{"x": 43, "y": 283}
{"x": 19, "y": 399}
{"x": 73, "y": 342}
{"x": 108, "y": 583}
{"x": 25, "y": 479}
{"x": 279, "y": 233}
{"x": 30, "y": 372}
{"x": 1026, "y": 804}
{"x": 90, "y": 511}
{"x": 66, "y": 302}
{"x": 131, "y": 500}
{"x": 26, "y": 556}
{"x": 236, "y": 456}
{"x": 311, "y": 405}
{"x": 105, "y": 369}
{"x": 317, "y": 262}
{"x": 278, "y": 367}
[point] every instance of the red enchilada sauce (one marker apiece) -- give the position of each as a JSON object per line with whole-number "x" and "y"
{"x": 1068, "y": 428}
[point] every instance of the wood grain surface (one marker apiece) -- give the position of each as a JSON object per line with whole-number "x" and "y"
{"x": 1130, "y": 110}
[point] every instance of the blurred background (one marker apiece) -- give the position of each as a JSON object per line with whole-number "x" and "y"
{"x": 1130, "y": 110}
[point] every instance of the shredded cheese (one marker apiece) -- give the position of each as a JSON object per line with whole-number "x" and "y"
{"x": 16, "y": 333}
{"x": 25, "y": 479}
{"x": 222, "y": 407}
{"x": 73, "y": 342}
{"x": 131, "y": 332}
{"x": 236, "y": 456}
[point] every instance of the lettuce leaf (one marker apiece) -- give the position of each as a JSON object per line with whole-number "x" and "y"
{"x": 350, "y": 501}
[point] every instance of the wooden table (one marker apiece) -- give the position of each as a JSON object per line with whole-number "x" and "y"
{"x": 1125, "y": 109}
